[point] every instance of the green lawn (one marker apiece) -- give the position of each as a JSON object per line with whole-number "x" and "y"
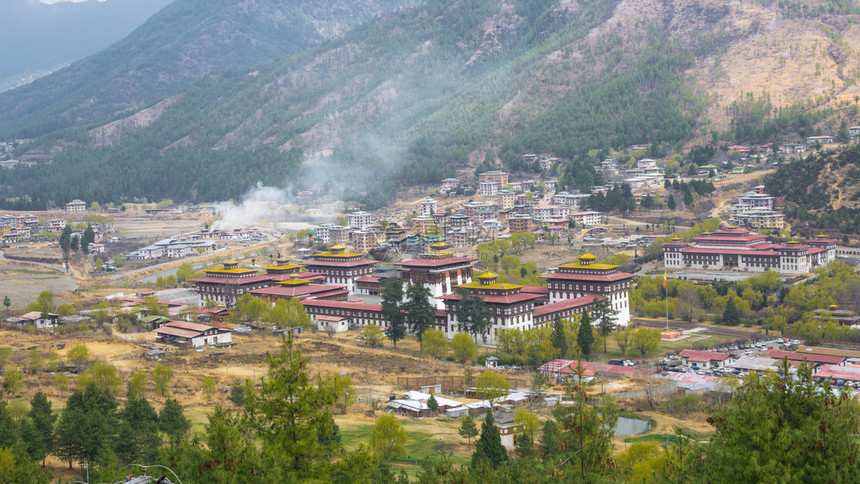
{"x": 421, "y": 436}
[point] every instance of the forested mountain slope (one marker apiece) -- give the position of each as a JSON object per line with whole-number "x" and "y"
{"x": 821, "y": 191}
{"x": 429, "y": 90}
{"x": 38, "y": 38}
{"x": 184, "y": 41}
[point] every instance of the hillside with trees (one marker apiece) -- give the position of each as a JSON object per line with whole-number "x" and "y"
{"x": 821, "y": 191}
{"x": 418, "y": 94}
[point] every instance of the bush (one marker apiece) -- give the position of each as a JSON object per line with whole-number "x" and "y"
{"x": 680, "y": 404}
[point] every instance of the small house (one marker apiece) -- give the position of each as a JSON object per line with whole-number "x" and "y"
{"x": 192, "y": 335}
{"x": 704, "y": 359}
{"x": 508, "y": 429}
{"x": 332, "y": 324}
{"x": 491, "y": 362}
{"x": 38, "y": 319}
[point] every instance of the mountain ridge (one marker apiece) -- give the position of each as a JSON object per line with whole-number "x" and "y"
{"x": 426, "y": 91}
{"x": 174, "y": 47}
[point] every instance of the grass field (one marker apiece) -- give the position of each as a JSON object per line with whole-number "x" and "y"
{"x": 675, "y": 346}
{"x": 424, "y": 436}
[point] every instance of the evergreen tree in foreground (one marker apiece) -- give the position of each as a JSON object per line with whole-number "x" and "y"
{"x": 488, "y": 448}
{"x": 731, "y": 315}
{"x": 585, "y": 335}
{"x": 392, "y": 295}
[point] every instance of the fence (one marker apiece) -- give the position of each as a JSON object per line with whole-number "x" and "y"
{"x": 661, "y": 389}
{"x": 451, "y": 383}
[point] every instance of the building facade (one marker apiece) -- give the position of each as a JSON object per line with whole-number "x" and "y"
{"x": 359, "y": 220}
{"x": 340, "y": 267}
{"x": 586, "y": 278}
{"x": 745, "y": 251}
{"x": 499, "y": 177}
{"x": 439, "y": 272}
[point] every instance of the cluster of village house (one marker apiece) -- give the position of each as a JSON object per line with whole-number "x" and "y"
{"x": 169, "y": 329}
{"x": 706, "y": 368}
{"x": 503, "y": 205}
{"x": 755, "y": 209}
{"x": 15, "y": 229}
{"x": 195, "y": 243}
{"x": 840, "y": 365}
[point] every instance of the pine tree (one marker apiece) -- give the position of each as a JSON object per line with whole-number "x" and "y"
{"x": 809, "y": 429}
{"x": 671, "y": 203}
{"x": 843, "y": 136}
{"x": 605, "y": 316}
{"x": 87, "y": 423}
{"x": 139, "y": 428}
{"x": 172, "y": 421}
{"x": 525, "y": 446}
{"x": 420, "y": 313}
{"x": 558, "y": 338}
{"x": 66, "y": 241}
{"x": 473, "y": 315}
{"x": 432, "y": 404}
{"x": 585, "y": 335}
{"x": 550, "y": 440}
{"x": 731, "y": 315}
{"x": 488, "y": 449}
{"x": 468, "y": 429}
{"x": 41, "y": 443}
{"x": 88, "y": 238}
{"x": 289, "y": 412}
{"x": 392, "y": 313}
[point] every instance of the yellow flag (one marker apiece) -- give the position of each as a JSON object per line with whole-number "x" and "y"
{"x": 664, "y": 279}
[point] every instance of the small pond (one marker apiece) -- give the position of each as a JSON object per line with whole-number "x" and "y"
{"x": 631, "y": 426}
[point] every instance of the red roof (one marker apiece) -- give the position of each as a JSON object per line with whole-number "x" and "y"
{"x": 731, "y": 238}
{"x": 720, "y": 250}
{"x": 613, "y": 277}
{"x": 239, "y": 281}
{"x": 569, "y": 366}
{"x": 182, "y": 333}
{"x": 316, "y": 290}
{"x": 351, "y": 263}
{"x": 566, "y": 304}
{"x": 357, "y": 306}
{"x": 330, "y": 318}
{"x": 791, "y": 247}
{"x": 510, "y": 299}
{"x": 761, "y": 245}
{"x": 188, "y": 326}
{"x": 185, "y": 329}
{"x": 431, "y": 262}
{"x": 812, "y": 358}
{"x": 367, "y": 279}
{"x": 847, "y": 372}
{"x": 704, "y": 356}
{"x": 535, "y": 290}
